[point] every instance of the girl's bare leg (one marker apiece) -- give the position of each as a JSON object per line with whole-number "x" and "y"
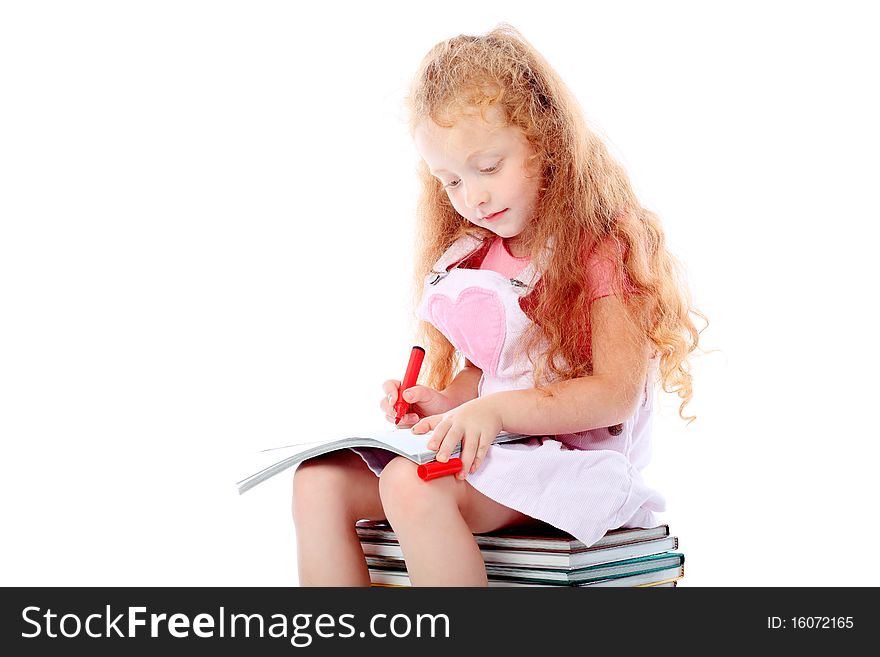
{"x": 330, "y": 494}
{"x": 435, "y": 522}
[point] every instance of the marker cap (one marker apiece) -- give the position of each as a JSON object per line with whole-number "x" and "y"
{"x": 434, "y": 469}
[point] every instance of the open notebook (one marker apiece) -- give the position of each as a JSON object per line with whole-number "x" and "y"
{"x": 400, "y": 441}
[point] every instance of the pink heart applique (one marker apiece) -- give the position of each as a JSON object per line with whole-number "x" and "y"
{"x": 474, "y": 323}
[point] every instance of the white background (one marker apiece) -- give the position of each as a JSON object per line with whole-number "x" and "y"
{"x": 207, "y": 209}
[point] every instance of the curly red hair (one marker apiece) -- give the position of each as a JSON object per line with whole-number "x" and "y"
{"x": 586, "y": 203}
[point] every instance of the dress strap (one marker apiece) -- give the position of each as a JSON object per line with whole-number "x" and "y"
{"x": 460, "y": 249}
{"x": 527, "y": 278}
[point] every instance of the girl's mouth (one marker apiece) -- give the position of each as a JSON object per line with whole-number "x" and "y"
{"x": 496, "y": 215}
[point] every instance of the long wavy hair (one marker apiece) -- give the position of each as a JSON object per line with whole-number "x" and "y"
{"x": 586, "y": 199}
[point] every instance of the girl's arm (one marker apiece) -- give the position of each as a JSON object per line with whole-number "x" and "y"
{"x": 464, "y": 386}
{"x": 608, "y": 397}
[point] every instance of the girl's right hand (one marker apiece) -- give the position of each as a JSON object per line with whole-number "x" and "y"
{"x": 423, "y": 401}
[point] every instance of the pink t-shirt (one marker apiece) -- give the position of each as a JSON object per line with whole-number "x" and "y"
{"x": 499, "y": 259}
{"x": 599, "y": 267}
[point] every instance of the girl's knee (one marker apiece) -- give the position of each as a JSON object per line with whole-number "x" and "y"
{"x": 317, "y": 473}
{"x": 403, "y": 493}
{"x": 326, "y": 479}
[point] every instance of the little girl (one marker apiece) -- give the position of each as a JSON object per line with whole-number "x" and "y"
{"x": 539, "y": 269}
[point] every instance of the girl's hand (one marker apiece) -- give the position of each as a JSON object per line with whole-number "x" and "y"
{"x": 422, "y": 400}
{"x": 474, "y": 424}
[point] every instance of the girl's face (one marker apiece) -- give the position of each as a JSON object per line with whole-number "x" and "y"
{"x": 483, "y": 166}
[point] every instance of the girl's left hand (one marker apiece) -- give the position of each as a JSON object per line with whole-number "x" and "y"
{"x": 475, "y": 424}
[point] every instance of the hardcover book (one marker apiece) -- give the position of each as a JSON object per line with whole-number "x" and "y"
{"x": 542, "y": 558}
{"x": 670, "y": 566}
{"x": 541, "y": 537}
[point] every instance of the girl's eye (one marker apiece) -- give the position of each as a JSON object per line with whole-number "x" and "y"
{"x": 454, "y": 183}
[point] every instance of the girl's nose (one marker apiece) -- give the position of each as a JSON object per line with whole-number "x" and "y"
{"x": 475, "y": 196}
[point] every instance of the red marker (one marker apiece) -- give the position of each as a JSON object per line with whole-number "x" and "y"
{"x": 401, "y": 407}
{"x": 436, "y": 469}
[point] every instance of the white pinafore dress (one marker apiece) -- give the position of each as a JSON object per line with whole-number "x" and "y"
{"x": 583, "y": 483}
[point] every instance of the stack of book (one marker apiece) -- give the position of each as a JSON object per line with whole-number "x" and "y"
{"x": 545, "y": 556}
